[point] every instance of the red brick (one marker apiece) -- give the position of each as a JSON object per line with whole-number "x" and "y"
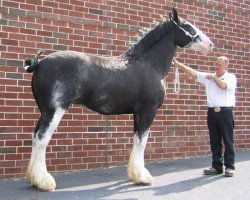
{"x": 13, "y": 170}
{"x": 79, "y": 166}
{"x": 13, "y": 143}
{"x": 63, "y": 168}
{"x": 179, "y": 115}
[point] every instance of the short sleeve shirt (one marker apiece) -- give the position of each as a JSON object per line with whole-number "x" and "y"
{"x": 217, "y": 96}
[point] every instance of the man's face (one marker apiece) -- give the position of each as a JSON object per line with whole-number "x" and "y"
{"x": 220, "y": 67}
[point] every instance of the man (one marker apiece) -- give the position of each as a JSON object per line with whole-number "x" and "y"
{"x": 220, "y": 90}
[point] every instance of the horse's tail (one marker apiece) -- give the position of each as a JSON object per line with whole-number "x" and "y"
{"x": 31, "y": 64}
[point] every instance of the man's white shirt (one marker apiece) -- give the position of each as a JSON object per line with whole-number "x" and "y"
{"x": 215, "y": 95}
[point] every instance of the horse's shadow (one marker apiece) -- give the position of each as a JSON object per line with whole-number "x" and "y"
{"x": 174, "y": 176}
{"x": 112, "y": 182}
{"x": 95, "y": 186}
{"x": 125, "y": 188}
{"x": 184, "y": 185}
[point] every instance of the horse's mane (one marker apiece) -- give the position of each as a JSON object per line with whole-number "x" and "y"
{"x": 148, "y": 40}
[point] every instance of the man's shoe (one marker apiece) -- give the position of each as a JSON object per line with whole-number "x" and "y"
{"x": 229, "y": 172}
{"x": 212, "y": 171}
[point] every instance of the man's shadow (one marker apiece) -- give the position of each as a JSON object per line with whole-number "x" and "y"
{"x": 185, "y": 185}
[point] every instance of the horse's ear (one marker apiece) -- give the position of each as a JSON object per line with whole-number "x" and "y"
{"x": 175, "y": 16}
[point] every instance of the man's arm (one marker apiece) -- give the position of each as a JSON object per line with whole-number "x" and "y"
{"x": 220, "y": 83}
{"x": 186, "y": 69}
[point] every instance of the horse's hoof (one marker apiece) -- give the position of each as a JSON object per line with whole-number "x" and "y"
{"x": 47, "y": 187}
{"x": 145, "y": 181}
{"x": 143, "y": 184}
{"x": 34, "y": 186}
{"x": 141, "y": 177}
{"x": 47, "y": 183}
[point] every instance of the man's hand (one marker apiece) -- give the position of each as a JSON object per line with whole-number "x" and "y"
{"x": 175, "y": 63}
{"x": 185, "y": 68}
{"x": 211, "y": 77}
{"x": 220, "y": 83}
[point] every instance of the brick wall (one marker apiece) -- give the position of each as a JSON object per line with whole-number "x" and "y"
{"x": 106, "y": 27}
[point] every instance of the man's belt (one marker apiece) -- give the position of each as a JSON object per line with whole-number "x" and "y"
{"x": 218, "y": 109}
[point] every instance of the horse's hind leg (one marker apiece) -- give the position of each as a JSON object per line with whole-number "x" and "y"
{"x": 137, "y": 172}
{"x": 37, "y": 173}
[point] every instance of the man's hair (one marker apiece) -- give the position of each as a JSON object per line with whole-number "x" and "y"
{"x": 225, "y": 60}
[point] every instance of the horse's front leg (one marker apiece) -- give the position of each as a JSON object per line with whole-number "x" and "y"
{"x": 37, "y": 173}
{"x": 137, "y": 172}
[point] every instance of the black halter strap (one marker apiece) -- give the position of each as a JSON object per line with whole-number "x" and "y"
{"x": 192, "y": 37}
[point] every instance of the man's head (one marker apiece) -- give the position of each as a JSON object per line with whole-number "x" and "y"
{"x": 221, "y": 65}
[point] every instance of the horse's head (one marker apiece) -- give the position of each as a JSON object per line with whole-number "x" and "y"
{"x": 188, "y": 36}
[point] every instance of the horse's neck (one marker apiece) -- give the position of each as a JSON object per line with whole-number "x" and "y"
{"x": 161, "y": 54}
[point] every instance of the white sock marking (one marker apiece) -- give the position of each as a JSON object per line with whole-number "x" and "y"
{"x": 37, "y": 171}
{"x": 136, "y": 170}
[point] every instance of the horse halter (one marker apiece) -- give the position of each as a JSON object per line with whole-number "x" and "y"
{"x": 192, "y": 37}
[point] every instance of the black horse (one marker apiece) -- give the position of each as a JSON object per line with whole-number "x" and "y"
{"x": 132, "y": 83}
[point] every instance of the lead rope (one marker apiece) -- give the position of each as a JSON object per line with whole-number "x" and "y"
{"x": 177, "y": 76}
{"x": 176, "y": 81}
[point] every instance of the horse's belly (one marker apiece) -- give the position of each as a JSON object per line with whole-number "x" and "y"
{"x": 107, "y": 107}
{"x": 111, "y": 108}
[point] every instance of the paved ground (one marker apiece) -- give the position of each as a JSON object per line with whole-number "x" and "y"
{"x": 174, "y": 180}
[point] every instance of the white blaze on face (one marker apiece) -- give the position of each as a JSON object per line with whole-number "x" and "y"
{"x": 203, "y": 44}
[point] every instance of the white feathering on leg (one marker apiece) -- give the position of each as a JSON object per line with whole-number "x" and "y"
{"x": 37, "y": 173}
{"x": 137, "y": 173}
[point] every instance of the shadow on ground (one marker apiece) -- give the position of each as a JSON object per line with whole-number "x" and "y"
{"x": 113, "y": 182}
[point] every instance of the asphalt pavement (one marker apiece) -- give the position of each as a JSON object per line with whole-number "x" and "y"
{"x": 179, "y": 179}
